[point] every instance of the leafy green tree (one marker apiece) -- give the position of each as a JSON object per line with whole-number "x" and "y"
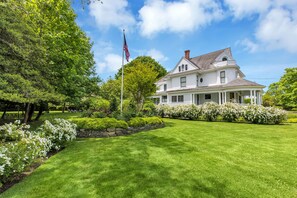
{"x": 146, "y": 60}
{"x": 284, "y": 92}
{"x": 139, "y": 82}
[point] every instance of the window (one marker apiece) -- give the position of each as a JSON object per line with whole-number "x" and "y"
{"x": 201, "y": 80}
{"x": 183, "y": 82}
{"x": 179, "y": 69}
{"x": 197, "y": 80}
{"x": 173, "y": 98}
{"x": 186, "y": 67}
{"x": 207, "y": 96}
{"x": 222, "y": 76}
{"x": 183, "y": 67}
{"x": 224, "y": 59}
{"x": 165, "y": 87}
{"x": 181, "y": 98}
{"x": 164, "y": 98}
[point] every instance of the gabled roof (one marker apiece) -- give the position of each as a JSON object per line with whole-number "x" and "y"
{"x": 242, "y": 82}
{"x": 205, "y": 61}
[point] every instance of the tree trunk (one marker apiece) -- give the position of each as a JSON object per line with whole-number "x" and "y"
{"x": 31, "y": 112}
{"x": 64, "y": 106}
{"x": 27, "y": 109}
{"x": 4, "y": 112}
{"x": 41, "y": 108}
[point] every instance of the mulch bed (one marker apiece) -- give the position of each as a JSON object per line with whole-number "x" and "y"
{"x": 19, "y": 177}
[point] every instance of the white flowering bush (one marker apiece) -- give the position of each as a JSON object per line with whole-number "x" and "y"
{"x": 263, "y": 115}
{"x": 59, "y": 132}
{"x": 210, "y": 111}
{"x": 19, "y": 148}
{"x": 230, "y": 112}
{"x": 164, "y": 110}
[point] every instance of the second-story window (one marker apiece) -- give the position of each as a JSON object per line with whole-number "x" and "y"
{"x": 183, "y": 81}
{"x": 165, "y": 87}
{"x": 197, "y": 80}
{"x": 222, "y": 76}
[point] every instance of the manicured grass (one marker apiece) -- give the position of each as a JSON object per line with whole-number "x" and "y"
{"x": 185, "y": 159}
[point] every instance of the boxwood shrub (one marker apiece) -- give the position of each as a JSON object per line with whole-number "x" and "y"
{"x": 99, "y": 123}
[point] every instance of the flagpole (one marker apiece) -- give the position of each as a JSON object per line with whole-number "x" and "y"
{"x": 122, "y": 86}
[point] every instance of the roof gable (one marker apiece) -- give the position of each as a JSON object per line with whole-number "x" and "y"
{"x": 183, "y": 61}
{"x": 205, "y": 61}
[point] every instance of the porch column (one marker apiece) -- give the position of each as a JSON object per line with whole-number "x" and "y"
{"x": 225, "y": 97}
{"x": 251, "y": 93}
{"x": 220, "y": 102}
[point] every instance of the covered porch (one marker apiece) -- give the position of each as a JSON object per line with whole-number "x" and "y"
{"x": 252, "y": 96}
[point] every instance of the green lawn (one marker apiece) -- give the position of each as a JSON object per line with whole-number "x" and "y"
{"x": 185, "y": 159}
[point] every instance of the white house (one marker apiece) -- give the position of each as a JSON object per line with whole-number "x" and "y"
{"x": 210, "y": 77}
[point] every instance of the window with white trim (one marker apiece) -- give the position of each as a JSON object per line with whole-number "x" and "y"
{"x": 222, "y": 76}
{"x": 207, "y": 96}
{"x": 165, "y": 87}
{"x": 180, "y": 98}
{"x": 173, "y": 98}
{"x": 183, "y": 81}
{"x": 164, "y": 99}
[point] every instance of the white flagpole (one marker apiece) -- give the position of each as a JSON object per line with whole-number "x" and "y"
{"x": 122, "y": 86}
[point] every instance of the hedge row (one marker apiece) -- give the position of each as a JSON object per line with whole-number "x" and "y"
{"x": 230, "y": 112}
{"x": 20, "y": 147}
{"x": 105, "y": 123}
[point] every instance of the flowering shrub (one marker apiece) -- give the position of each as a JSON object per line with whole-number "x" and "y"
{"x": 59, "y": 132}
{"x": 230, "y": 111}
{"x": 210, "y": 111}
{"x": 263, "y": 115}
{"x": 19, "y": 148}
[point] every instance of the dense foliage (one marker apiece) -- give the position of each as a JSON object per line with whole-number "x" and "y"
{"x": 229, "y": 112}
{"x": 44, "y": 56}
{"x": 284, "y": 92}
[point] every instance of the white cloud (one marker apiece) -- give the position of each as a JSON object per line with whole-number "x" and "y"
{"x": 111, "y": 63}
{"x": 278, "y": 30}
{"x": 112, "y": 13}
{"x": 242, "y": 8}
{"x": 179, "y": 16}
{"x": 277, "y": 23}
{"x": 157, "y": 55}
{"x": 249, "y": 45}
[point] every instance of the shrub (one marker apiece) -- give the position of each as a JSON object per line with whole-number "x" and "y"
{"x": 137, "y": 122}
{"x": 19, "y": 148}
{"x": 164, "y": 110}
{"x": 98, "y": 115}
{"x": 210, "y": 111}
{"x": 153, "y": 120}
{"x": 263, "y": 115}
{"x": 59, "y": 132}
{"x": 230, "y": 112}
{"x": 99, "y": 123}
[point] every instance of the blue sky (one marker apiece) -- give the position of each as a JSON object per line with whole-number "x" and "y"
{"x": 262, "y": 34}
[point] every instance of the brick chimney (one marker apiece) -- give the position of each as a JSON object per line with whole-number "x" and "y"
{"x": 187, "y": 54}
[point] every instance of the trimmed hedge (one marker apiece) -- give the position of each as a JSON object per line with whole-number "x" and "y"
{"x": 99, "y": 123}
{"x": 105, "y": 123}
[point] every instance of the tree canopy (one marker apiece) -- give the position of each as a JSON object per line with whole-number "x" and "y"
{"x": 44, "y": 55}
{"x": 284, "y": 92}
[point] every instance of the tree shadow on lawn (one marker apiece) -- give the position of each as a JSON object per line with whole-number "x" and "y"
{"x": 120, "y": 167}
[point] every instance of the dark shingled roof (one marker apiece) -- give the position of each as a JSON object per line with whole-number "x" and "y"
{"x": 205, "y": 61}
{"x": 241, "y": 82}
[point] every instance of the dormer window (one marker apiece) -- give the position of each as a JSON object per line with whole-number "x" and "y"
{"x": 224, "y": 59}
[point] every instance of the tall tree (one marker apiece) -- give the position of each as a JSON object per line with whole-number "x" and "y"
{"x": 284, "y": 92}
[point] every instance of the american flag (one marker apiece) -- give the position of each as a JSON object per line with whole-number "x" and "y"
{"x": 125, "y": 48}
